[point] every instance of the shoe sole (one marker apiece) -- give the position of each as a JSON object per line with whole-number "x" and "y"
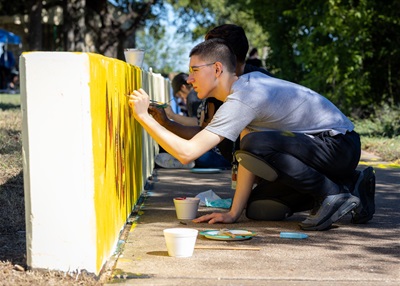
{"x": 365, "y": 182}
{"x": 256, "y": 165}
{"x": 351, "y": 203}
{"x": 167, "y": 161}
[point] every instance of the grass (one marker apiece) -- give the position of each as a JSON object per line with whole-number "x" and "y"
{"x": 11, "y": 195}
{"x": 380, "y": 134}
{"x": 10, "y": 137}
{"x": 386, "y": 148}
{"x": 12, "y": 210}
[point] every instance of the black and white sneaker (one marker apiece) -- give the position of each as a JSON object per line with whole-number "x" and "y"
{"x": 364, "y": 189}
{"x": 329, "y": 210}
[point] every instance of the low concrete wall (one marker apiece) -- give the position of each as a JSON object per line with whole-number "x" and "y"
{"x": 85, "y": 158}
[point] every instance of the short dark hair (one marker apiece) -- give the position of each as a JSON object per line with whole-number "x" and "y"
{"x": 178, "y": 81}
{"x": 235, "y": 37}
{"x": 216, "y": 50}
{"x": 253, "y": 52}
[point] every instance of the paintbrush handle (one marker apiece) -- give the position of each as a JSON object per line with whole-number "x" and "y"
{"x": 226, "y": 248}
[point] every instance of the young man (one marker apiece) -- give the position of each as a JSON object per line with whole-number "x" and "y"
{"x": 235, "y": 36}
{"x": 298, "y": 138}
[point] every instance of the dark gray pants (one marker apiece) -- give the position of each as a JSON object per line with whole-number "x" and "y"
{"x": 307, "y": 166}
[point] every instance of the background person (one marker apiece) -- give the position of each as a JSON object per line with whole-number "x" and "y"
{"x": 13, "y": 85}
{"x": 7, "y": 64}
{"x": 253, "y": 58}
{"x": 184, "y": 91}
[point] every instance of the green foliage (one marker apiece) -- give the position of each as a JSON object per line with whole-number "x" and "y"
{"x": 332, "y": 49}
{"x": 385, "y": 122}
{"x": 276, "y": 20}
{"x": 380, "y": 133}
{"x": 346, "y": 50}
{"x": 207, "y": 14}
{"x": 10, "y": 135}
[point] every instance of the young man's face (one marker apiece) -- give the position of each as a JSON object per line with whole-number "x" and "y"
{"x": 201, "y": 76}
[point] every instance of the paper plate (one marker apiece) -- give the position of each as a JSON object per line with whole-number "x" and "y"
{"x": 205, "y": 170}
{"x": 240, "y": 234}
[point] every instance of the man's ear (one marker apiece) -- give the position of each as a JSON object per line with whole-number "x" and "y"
{"x": 218, "y": 68}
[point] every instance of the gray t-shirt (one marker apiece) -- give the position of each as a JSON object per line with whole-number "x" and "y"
{"x": 259, "y": 102}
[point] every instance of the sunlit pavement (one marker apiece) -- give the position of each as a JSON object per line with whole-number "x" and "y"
{"x": 347, "y": 254}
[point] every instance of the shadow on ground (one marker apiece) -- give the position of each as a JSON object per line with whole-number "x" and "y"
{"x": 12, "y": 221}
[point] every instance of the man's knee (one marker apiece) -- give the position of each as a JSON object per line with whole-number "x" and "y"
{"x": 267, "y": 210}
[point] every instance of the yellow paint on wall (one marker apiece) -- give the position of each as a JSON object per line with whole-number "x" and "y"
{"x": 117, "y": 148}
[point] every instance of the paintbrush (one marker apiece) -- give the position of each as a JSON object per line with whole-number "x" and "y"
{"x": 157, "y": 103}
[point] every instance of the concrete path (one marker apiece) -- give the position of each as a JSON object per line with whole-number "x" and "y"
{"x": 345, "y": 255}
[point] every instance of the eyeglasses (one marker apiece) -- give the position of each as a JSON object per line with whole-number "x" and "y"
{"x": 194, "y": 69}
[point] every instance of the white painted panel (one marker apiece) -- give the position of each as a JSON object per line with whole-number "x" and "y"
{"x": 58, "y": 161}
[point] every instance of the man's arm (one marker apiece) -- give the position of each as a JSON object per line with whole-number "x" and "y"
{"x": 181, "y": 119}
{"x": 186, "y": 132}
{"x": 244, "y": 186}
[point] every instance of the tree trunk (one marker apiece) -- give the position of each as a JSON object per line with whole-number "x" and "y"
{"x": 35, "y": 25}
{"x": 93, "y": 25}
{"x": 74, "y": 25}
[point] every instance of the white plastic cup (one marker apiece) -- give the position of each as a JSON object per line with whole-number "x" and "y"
{"x": 134, "y": 57}
{"x": 180, "y": 241}
{"x": 186, "y": 208}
